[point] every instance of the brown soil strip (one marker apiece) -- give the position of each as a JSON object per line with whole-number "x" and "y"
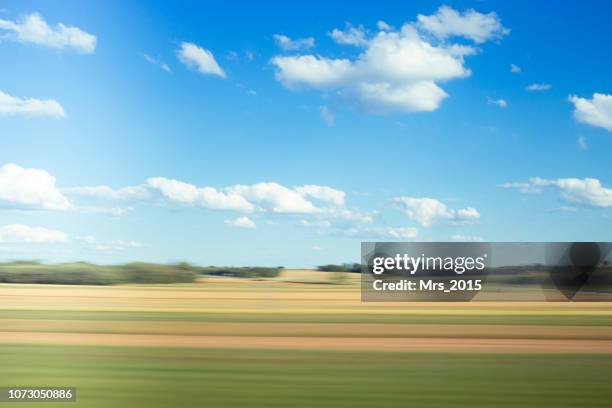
{"x": 316, "y": 343}
{"x": 310, "y": 329}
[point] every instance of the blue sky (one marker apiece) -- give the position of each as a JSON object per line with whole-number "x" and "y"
{"x": 244, "y": 134}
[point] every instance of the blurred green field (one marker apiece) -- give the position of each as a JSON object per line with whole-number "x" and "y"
{"x": 150, "y": 377}
{"x": 292, "y": 341}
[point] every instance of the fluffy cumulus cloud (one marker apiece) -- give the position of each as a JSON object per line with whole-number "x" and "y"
{"x": 262, "y": 197}
{"x": 14, "y": 105}
{"x": 25, "y": 188}
{"x": 241, "y": 222}
{"x": 478, "y": 27}
{"x": 34, "y": 29}
{"x": 207, "y": 197}
{"x": 395, "y": 70}
{"x": 275, "y": 197}
{"x": 323, "y": 207}
{"x": 403, "y": 232}
{"x": 288, "y": 44}
{"x": 19, "y": 233}
{"x": 194, "y": 56}
{"x": 427, "y": 211}
{"x": 322, "y": 193}
{"x": 587, "y": 191}
{"x": 596, "y": 111}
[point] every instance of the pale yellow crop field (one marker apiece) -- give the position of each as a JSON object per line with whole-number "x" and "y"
{"x": 300, "y": 308}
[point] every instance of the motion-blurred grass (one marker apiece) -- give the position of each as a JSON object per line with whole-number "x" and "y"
{"x": 149, "y": 377}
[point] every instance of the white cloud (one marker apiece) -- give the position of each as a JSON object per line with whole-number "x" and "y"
{"x": 322, "y": 193}
{"x": 499, "y": 102}
{"x": 156, "y": 62}
{"x": 403, "y": 232}
{"x": 468, "y": 213}
{"x": 383, "y": 26}
{"x": 527, "y": 187}
{"x": 327, "y": 116}
{"x": 263, "y": 197}
{"x": 595, "y": 112}
{"x": 310, "y": 70}
{"x": 275, "y": 197}
{"x": 241, "y": 222}
{"x": 288, "y": 44}
{"x": 582, "y": 143}
{"x": 207, "y": 197}
{"x": 199, "y": 58}
{"x": 13, "y": 105}
{"x": 515, "y": 69}
{"x": 466, "y": 238}
{"x": 588, "y": 191}
{"x": 478, "y": 27}
{"x": 535, "y": 87}
{"x": 19, "y": 233}
{"x": 426, "y": 211}
{"x": 34, "y": 29}
{"x": 397, "y": 70}
{"x": 350, "y": 35}
{"x": 30, "y": 189}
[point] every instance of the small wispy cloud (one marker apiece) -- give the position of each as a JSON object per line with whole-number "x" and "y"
{"x": 156, "y": 62}
{"x": 288, "y": 44}
{"x": 582, "y": 143}
{"x": 536, "y": 87}
{"x": 327, "y": 116}
{"x": 499, "y": 102}
{"x": 194, "y": 56}
{"x": 241, "y": 222}
{"x": 515, "y": 69}
{"x": 114, "y": 246}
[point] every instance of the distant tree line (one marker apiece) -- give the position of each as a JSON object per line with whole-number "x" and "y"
{"x": 84, "y": 273}
{"x": 345, "y": 267}
{"x": 255, "y": 272}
